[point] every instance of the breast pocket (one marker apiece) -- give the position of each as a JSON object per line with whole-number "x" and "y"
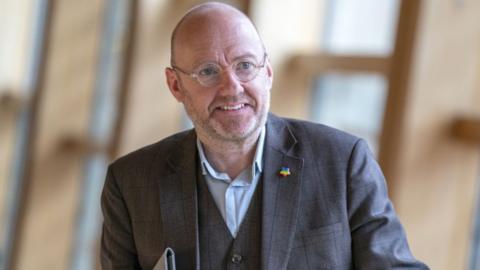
{"x": 318, "y": 248}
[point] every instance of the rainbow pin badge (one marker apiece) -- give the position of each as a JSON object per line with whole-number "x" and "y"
{"x": 284, "y": 171}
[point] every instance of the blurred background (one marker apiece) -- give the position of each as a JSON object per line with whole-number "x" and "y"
{"x": 82, "y": 82}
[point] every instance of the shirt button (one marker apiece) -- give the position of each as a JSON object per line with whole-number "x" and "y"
{"x": 236, "y": 259}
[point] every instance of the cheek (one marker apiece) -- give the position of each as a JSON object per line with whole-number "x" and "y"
{"x": 259, "y": 91}
{"x": 202, "y": 102}
{"x": 197, "y": 98}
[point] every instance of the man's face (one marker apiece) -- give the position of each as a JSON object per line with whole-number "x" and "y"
{"x": 232, "y": 110}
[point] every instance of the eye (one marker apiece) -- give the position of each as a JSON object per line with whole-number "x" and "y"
{"x": 245, "y": 66}
{"x": 208, "y": 70}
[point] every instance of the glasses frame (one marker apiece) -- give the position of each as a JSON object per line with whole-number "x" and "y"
{"x": 195, "y": 75}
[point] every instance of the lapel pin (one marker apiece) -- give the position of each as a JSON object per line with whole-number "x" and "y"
{"x": 284, "y": 171}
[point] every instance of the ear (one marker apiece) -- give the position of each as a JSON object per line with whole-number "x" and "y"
{"x": 174, "y": 84}
{"x": 269, "y": 74}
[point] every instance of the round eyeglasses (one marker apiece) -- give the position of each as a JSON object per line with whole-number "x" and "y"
{"x": 209, "y": 74}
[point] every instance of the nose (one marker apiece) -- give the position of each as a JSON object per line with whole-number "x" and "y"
{"x": 230, "y": 85}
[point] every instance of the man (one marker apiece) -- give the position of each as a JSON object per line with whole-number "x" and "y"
{"x": 245, "y": 189}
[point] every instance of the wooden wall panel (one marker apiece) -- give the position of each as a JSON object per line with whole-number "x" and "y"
{"x": 64, "y": 112}
{"x": 437, "y": 173}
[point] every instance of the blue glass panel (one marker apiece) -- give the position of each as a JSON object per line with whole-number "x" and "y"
{"x": 15, "y": 183}
{"x": 351, "y": 102}
{"x": 475, "y": 244}
{"x": 360, "y": 27}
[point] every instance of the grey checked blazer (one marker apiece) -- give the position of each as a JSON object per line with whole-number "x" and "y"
{"x": 332, "y": 212}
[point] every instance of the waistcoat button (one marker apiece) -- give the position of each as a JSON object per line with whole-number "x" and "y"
{"x": 236, "y": 258}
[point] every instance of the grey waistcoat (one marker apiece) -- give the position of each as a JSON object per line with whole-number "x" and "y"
{"x": 218, "y": 249}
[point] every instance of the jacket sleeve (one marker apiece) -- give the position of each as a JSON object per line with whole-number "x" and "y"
{"x": 378, "y": 238}
{"x": 117, "y": 243}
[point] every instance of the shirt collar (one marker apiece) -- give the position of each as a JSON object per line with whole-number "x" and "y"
{"x": 257, "y": 164}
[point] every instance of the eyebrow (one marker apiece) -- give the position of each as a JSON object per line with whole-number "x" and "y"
{"x": 246, "y": 55}
{"x": 242, "y": 56}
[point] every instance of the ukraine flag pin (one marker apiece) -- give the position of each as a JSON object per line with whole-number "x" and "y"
{"x": 284, "y": 171}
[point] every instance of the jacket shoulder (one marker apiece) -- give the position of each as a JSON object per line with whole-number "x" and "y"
{"x": 319, "y": 133}
{"x": 143, "y": 158}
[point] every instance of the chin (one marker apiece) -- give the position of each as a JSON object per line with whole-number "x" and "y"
{"x": 237, "y": 134}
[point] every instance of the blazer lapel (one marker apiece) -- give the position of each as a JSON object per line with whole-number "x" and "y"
{"x": 178, "y": 203}
{"x": 281, "y": 195}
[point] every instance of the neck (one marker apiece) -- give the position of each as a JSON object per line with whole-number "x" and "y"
{"x": 230, "y": 157}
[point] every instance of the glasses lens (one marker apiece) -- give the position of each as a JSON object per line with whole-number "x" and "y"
{"x": 208, "y": 74}
{"x": 245, "y": 70}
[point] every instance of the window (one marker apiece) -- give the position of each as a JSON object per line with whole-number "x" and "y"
{"x": 349, "y": 99}
{"x": 351, "y": 102}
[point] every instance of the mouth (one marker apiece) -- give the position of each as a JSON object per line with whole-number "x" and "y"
{"x": 232, "y": 107}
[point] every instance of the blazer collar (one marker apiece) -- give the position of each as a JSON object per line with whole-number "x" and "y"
{"x": 281, "y": 194}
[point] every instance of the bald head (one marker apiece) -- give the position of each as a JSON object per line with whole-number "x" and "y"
{"x": 210, "y": 19}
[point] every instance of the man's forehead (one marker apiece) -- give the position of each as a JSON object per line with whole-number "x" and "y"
{"x": 193, "y": 58}
{"x": 225, "y": 51}
{"x": 215, "y": 33}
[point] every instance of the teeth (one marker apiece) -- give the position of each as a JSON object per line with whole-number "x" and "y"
{"x": 232, "y": 108}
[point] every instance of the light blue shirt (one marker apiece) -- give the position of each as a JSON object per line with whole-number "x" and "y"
{"x": 233, "y": 197}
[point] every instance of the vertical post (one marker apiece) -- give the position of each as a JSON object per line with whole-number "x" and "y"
{"x": 18, "y": 196}
{"x": 124, "y": 84}
{"x": 399, "y": 78}
{"x": 106, "y": 123}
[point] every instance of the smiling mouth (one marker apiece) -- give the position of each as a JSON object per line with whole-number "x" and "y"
{"x": 232, "y": 108}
